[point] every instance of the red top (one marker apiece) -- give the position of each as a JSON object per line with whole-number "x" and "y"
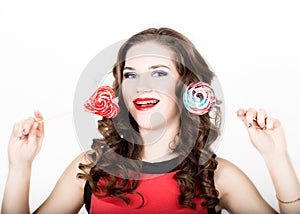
{"x": 160, "y": 196}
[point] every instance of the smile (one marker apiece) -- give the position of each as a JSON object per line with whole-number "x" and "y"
{"x": 144, "y": 104}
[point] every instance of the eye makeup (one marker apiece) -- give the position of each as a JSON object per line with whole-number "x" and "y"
{"x": 159, "y": 73}
{"x": 129, "y": 75}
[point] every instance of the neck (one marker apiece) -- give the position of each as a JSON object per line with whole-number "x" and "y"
{"x": 157, "y": 142}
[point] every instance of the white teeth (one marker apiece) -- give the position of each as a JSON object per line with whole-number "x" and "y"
{"x": 146, "y": 102}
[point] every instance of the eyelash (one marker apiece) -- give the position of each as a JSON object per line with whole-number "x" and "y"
{"x": 129, "y": 75}
{"x": 156, "y": 73}
{"x": 160, "y": 73}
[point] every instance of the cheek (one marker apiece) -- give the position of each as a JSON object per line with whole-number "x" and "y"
{"x": 171, "y": 105}
{"x": 128, "y": 91}
{"x": 168, "y": 88}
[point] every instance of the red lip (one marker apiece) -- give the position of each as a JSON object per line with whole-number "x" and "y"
{"x": 144, "y": 104}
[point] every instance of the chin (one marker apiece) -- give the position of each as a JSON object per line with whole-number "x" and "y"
{"x": 149, "y": 121}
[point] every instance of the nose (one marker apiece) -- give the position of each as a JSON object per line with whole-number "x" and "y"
{"x": 144, "y": 83}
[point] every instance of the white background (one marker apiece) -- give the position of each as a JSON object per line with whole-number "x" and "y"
{"x": 253, "y": 46}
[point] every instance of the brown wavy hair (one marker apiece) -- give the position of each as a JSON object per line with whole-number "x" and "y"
{"x": 196, "y": 170}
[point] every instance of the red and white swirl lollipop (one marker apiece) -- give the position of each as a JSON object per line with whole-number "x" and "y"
{"x": 199, "y": 98}
{"x": 103, "y": 103}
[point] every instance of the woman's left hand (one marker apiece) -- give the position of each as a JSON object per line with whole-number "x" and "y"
{"x": 265, "y": 132}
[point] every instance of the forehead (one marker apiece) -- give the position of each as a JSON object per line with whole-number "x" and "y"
{"x": 149, "y": 49}
{"x": 148, "y": 54}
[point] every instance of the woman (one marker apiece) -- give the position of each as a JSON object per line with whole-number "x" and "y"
{"x": 167, "y": 164}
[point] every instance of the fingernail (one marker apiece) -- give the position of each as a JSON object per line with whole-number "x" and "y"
{"x": 24, "y": 131}
{"x": 19, "y": 137}
{"x": 262, "y": 128}
{"x": 249, "y": 125}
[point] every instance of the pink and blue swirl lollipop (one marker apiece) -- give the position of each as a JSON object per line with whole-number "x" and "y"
{"x": 199, "y": 98}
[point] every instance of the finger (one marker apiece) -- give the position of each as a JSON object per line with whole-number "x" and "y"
{"x": 241, "y": 113}
{"x": 32, "y": 137}
{"x": 261, "y": 118}
{"x": 40, "y": 119}
{"x": 38, "y": 115}
{"x": 276, "y": 123}
{"x": 272, "y": 123}
{"x": 20, "y": 135}
{"x": 15, "y": 131}
{"x": 24, "y": 128}
{"x": 250, "y": 117}
{"x": 27, "y": 124}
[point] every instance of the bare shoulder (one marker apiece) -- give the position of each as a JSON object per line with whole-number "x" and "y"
{"x": 228, "y": 176}
{"x": 225, "y": 167}
{"x": 67, "y": 195}
{"x": 225, "y": 175}
{"x": 237, "y": 193}
{"x": 74, "y": 168}
{"x": 82, "y": 158}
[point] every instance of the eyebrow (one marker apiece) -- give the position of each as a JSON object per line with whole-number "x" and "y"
{"x": 151, "y": 67}
{"x": 159, "y": 66}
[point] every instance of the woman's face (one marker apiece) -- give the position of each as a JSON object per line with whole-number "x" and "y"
{"x": 149, "y": 84}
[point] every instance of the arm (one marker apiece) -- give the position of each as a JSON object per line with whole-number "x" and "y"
{"x": 24, "y": 145}
{"x": 267, "y": 136}
{"x": 67, "y": 196}
{"x": 237, "y": 193}
{"x": 17, "y": 190}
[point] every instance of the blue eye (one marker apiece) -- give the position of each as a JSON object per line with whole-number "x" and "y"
{"x": 129, "y": 75}
{"x": 159, "y": 73}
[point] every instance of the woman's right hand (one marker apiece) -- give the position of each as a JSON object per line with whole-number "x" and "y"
{"x": 26, "y": 140}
